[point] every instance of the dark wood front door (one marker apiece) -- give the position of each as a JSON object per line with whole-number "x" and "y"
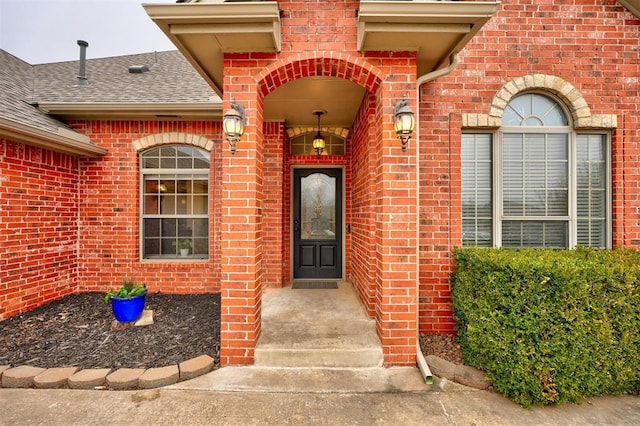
{"x": 317, "y": 223}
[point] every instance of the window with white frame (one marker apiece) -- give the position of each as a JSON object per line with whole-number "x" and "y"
{"x": 175, "y": 202}
{"x": 535, "y": 182}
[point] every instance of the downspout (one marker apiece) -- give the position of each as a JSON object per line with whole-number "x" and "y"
{"x": 453, "y": 62}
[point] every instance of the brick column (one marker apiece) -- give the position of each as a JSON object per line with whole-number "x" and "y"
{"x": 241, "y": 229}
{"x": 396, "y": 238}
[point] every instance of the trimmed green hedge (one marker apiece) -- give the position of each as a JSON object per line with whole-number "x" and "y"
{"x": 549, "y": 326}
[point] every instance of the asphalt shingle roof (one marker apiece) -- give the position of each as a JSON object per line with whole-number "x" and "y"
{"x": 16, "y": 95}
{"x": 171, "y": 80}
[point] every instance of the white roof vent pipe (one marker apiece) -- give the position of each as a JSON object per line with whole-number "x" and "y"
{"x": 82, "y": 73}
{"x": 155, "y": 59}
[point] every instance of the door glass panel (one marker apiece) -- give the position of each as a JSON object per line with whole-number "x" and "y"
{"x": 317, "y": 215}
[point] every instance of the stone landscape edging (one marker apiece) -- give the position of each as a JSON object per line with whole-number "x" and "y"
{"x": 462, "y": 374}
{"x": 26, "y": 376}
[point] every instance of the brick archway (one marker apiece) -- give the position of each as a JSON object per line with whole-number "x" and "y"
{"x": 390, "y": 215}
{"x": 330, "y": 64}
{"x": 391, "y": 204}
{"x": 347, "y": 67}
{"x": 371, "y": 77}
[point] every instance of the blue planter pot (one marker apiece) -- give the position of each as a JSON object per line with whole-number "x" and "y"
{"x": 128, "y": 309}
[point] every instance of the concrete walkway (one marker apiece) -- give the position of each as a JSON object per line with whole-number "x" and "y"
{"x": 440, "y": 404}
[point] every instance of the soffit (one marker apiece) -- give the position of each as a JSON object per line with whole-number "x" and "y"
{"x": 435, "y": 30}
{"x": 632, "y": 5}
{"x": 205, "y": 31}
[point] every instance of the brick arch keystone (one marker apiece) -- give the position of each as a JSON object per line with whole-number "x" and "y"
{"x": 565, "y": 91}
{"x": 320, "y": 64}
{"x": 172, "y": 138}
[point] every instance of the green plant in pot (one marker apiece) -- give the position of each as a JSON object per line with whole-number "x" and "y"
{"x": 184, "y": 246}
{"x": 127, "y": 302}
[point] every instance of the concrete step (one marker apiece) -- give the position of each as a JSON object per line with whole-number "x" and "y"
{"x": 310, "y": 380}
{"x": 316, "y": 357}
{"x": 316, "y": 329}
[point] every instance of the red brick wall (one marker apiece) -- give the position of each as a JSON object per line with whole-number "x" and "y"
{"x": 109, "y": 242}
{"x": 38, "y": 226}
{"x": 309, "y": 26}
{"x": 591, "y": 44}
{"x": 241, "y": 231}
{"x": 396, "y": 219}
{"x": 363, "y": 177}
{"x": 273, "y": 205}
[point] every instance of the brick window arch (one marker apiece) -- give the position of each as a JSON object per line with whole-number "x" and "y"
{"x": 562, "y": 89}
{"x": 173, "y": 138}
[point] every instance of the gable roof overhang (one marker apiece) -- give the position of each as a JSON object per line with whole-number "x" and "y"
{"x": 632, "y": 5}
{"x": 435, "y": 30}
{"x": 64, "y": 140}
{"x": 204, "y": 32}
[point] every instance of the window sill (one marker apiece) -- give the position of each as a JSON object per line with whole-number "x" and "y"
{"x": 187, "y": 259}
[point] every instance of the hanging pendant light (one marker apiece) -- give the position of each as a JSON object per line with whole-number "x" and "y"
{"x": 318, "y": 140}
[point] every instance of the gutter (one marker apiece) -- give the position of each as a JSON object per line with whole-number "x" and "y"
{"x": 453, "y": 62}
{"x": 61, "y": 140}
{"x": 128, "y": 110}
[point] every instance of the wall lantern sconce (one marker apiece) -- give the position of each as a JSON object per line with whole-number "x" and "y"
{"x": 318, "y": 140}
{"x": 404, "y": 121}
{"x": 233, "y": 124}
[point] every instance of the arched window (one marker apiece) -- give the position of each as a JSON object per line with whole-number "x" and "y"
{"x": 303, "y": 144}
{"x": 534, "y": 110}
{"x": 535, "y": 182}
{"x": 175, "y": 202}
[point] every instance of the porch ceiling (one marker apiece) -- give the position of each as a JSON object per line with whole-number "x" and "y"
{"x": 204, "y": 31}
{"x": 295, "y": 101}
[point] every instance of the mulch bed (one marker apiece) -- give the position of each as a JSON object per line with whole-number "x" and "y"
{"x": 442, "y": 345}
{"x": 79, "y": 330}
